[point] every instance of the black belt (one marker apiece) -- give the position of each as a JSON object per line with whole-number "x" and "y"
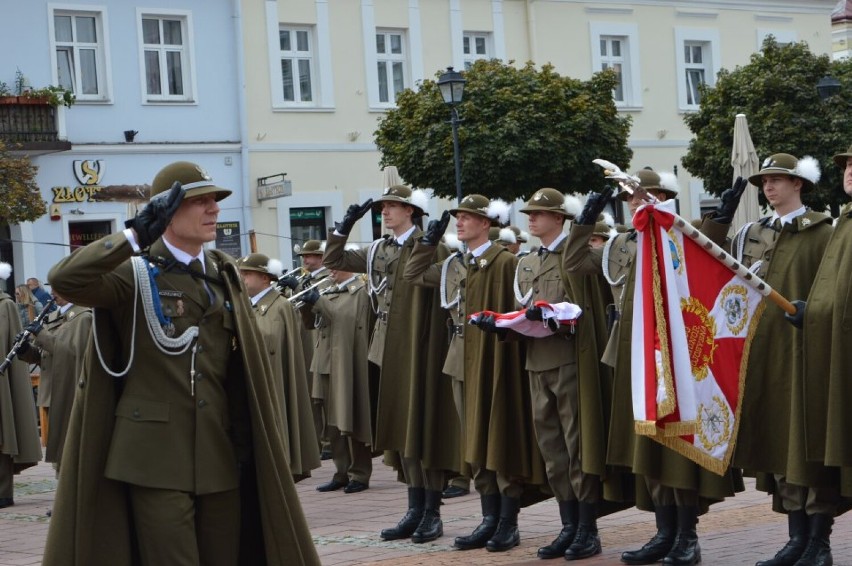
{"x": 382, "y": 315}
{"x": 457, "y": 329}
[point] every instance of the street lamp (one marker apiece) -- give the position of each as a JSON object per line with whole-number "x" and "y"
{"x": 451, "y": 84}
{"x": 827, "y": 87}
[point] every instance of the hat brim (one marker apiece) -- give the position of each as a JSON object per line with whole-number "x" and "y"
{"x": 757, "y": 179}
{"x": 418, "y": 212}
{"x": 199, "y": 191}
{"x": 535, "y": 208}
{"x": 311, "y": 252}
{"x": 256, "y": 269}
{"x": 454, "y": 211}
{"x": 625, "y": 196}
{"x": 841, "y": 158}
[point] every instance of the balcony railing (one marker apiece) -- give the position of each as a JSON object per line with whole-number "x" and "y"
{"x": 30, "y": 125}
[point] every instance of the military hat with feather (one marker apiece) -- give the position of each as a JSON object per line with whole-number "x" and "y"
{"x": 194, "y": 180}
{"x": 261, "y": 264}
{"x": 551, "y": 200}
{"x": 496, "y": 210}
{"x": 417, "y": 199}
{"x": 807, "y": 169}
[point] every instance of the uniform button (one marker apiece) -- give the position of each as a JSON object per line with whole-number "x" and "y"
{"x": 136, "y": 413}
{"x": 199, "y": 349}
{"x": 108, "y": 245}
{"x": 199, "y": 376}
{"x": 202, "y": 403}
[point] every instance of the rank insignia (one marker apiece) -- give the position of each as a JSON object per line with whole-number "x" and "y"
{"x": 483, "y": 263}
{"x": 806, "y": 221}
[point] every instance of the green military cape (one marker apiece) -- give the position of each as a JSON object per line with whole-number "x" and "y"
{"x": 91, "y": 521}
{"x": 828, "y": 389}
{"x": 18, "y": 430}
{"x": 499, "y": 431}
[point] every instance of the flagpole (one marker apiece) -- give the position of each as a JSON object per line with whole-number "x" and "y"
{"x": 731, "y": 263}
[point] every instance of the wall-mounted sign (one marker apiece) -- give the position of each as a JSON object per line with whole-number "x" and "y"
{"x": 90, "y": 174}
{"x": 274, "y": 186}
{"x": 306, "y": 213}
{"x": 228, "y": 238}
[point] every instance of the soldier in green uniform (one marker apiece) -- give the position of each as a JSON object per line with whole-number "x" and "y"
{"x": 499, "y": 440}
{"x": 58, "y": 349}
{"x": 280, "y": 328}
{"x": 785, "y": 250}
{"x": 341, "y": 315}
{"x": 20, "y": 447}
{"x": 408, "y": 346}
{"x": 175, "y": 451}
{"x": 552, "y": 365}
{"x": 676, "y": 489}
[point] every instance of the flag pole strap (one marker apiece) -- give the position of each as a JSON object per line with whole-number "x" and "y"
{"x": 731, "y": 263}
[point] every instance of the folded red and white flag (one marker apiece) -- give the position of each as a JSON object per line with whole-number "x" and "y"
{"x": 554, "y": 315}
{"x": 692, "y": 322}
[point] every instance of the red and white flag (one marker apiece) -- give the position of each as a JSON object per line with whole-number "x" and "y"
{"x": 693, "y": 318}
{"x": 554, "y": 316}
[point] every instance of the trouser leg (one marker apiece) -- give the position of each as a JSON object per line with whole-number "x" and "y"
{"x": 461, "y": 481}
{"x": 7, "y": 476}
{"x": 339, "y": 454}
{"x": 165, "y": 526}
{"x": 551, "y": 436}
{"x": 217, "y": 521}
{"x": 361, "y": 466}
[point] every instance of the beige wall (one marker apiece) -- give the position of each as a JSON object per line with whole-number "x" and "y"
{"x": 327, "y": 151}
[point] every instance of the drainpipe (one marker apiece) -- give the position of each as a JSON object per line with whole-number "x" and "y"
{"x": 531, "y": 45}
{"x": 247, "y": 223}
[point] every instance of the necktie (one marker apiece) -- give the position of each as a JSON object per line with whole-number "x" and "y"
{"x": 468, "y": 258}
{"x": 542, "y": 251}
{"x": 203, "y": 291}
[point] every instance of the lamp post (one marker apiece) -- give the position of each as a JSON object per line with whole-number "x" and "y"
{"x": 827, "y": 87}
{"x": 451, "y": 84}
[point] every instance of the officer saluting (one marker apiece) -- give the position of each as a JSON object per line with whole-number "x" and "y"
{"x": 175, "y": 454}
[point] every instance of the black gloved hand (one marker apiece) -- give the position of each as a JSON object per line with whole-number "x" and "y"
{"x": 534, "y": 313}
{"x": 724, "y": 214}
{"x": 353, "y": 214}
{"x": 25, "y": 345}
{"x": 34, "y": 327}
{"x": 488, "y": 323}
{"x": 311, "y": 297}
{"x": 435, "y": 230}
{"x": 594, "y": 206}
{"x": 150, "y": 223}
{"x": 797, "y": 319}
{"x": 289, "y": 281}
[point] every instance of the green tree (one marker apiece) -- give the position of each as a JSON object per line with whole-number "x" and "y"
{"x": 777, "y": 91}
{"x": 523, "y": 129}
{"x": 20, "y": 197}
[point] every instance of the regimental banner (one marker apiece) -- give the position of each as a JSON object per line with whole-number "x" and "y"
{"x": 693, "y": 322}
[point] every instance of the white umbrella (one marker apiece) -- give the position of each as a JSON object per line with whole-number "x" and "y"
{"x": 745, "y": 163}
{"x": 390, "y": 177}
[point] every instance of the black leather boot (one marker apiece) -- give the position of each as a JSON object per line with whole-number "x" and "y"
{"x": 659, "y": 546}
{"x": 685, "y": 551}
{"x": 490, "y": 517}
{"x": 797, "y": 525}
{"x": 408, "y": 524}
{"x": 568, "y": 512}
{"x": 507, "y": 535}
{"x": 586, "y": 542}
{"x": 430, "y": 526}
{"x": 818, "y": 551}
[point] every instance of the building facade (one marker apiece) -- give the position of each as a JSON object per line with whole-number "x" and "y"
{"x": 321, "y": 73}
{"x": 154, "y": 83}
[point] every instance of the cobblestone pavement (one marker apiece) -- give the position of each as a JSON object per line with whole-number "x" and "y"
{"x": 739, "y": 531}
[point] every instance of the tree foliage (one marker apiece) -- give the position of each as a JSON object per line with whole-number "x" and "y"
{"x": 523, "y": 129}
{"x": 777, "y": 92}
{"x": 20, "y": 197}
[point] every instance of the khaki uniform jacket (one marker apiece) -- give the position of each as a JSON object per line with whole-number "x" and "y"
{"x": 415, "y": 415}
{"x": 280, "y": 328}
{"x": 149, "y": 428}
{"x": 345, "y": 317}
{"x": 772, "y": 435}
{"x": 18, "y": 429}
{"x": 60, "y": 348}
{"x": 642, "y": 455}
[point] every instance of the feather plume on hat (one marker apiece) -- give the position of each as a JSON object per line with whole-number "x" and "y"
{"x": 5, "y": 270}
{"x": 420, "y": 199}
{"x": 572, "y": 205}
{"x": 350, "y": 247}
{"x": 452, "y": 241}
{"x": 274, "y": 267}
{"x": 668, "y": 181}
{"x": 525, "y": 236}
{"x": 507, "y": 236}
{"x": 498, "y": 209}
{"x": 808, "y": 167}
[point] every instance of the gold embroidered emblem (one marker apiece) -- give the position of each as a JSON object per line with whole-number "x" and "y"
{"x": 806, "y": 221}
{"x": 539, "y": 196}
{"x": 700, "y": 328}
{"x": 734, "y": 301}
{"x": 715, "y": 429}
{"x": 483, "y": 263}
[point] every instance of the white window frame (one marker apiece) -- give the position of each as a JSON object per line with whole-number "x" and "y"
{"x": 782, "y": 36}
{"x": 472, "y": 36}
{"x": 709, "y": 40}
{"x": 296, "y": 55}
{"x": 102, "y": 59}
{"x": 630, "y": 72}
{"x": 187, "y": 61}
{"x": 403, "y": 58}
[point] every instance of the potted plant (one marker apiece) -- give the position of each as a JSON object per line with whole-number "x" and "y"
{"x": 25, "y": 94}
